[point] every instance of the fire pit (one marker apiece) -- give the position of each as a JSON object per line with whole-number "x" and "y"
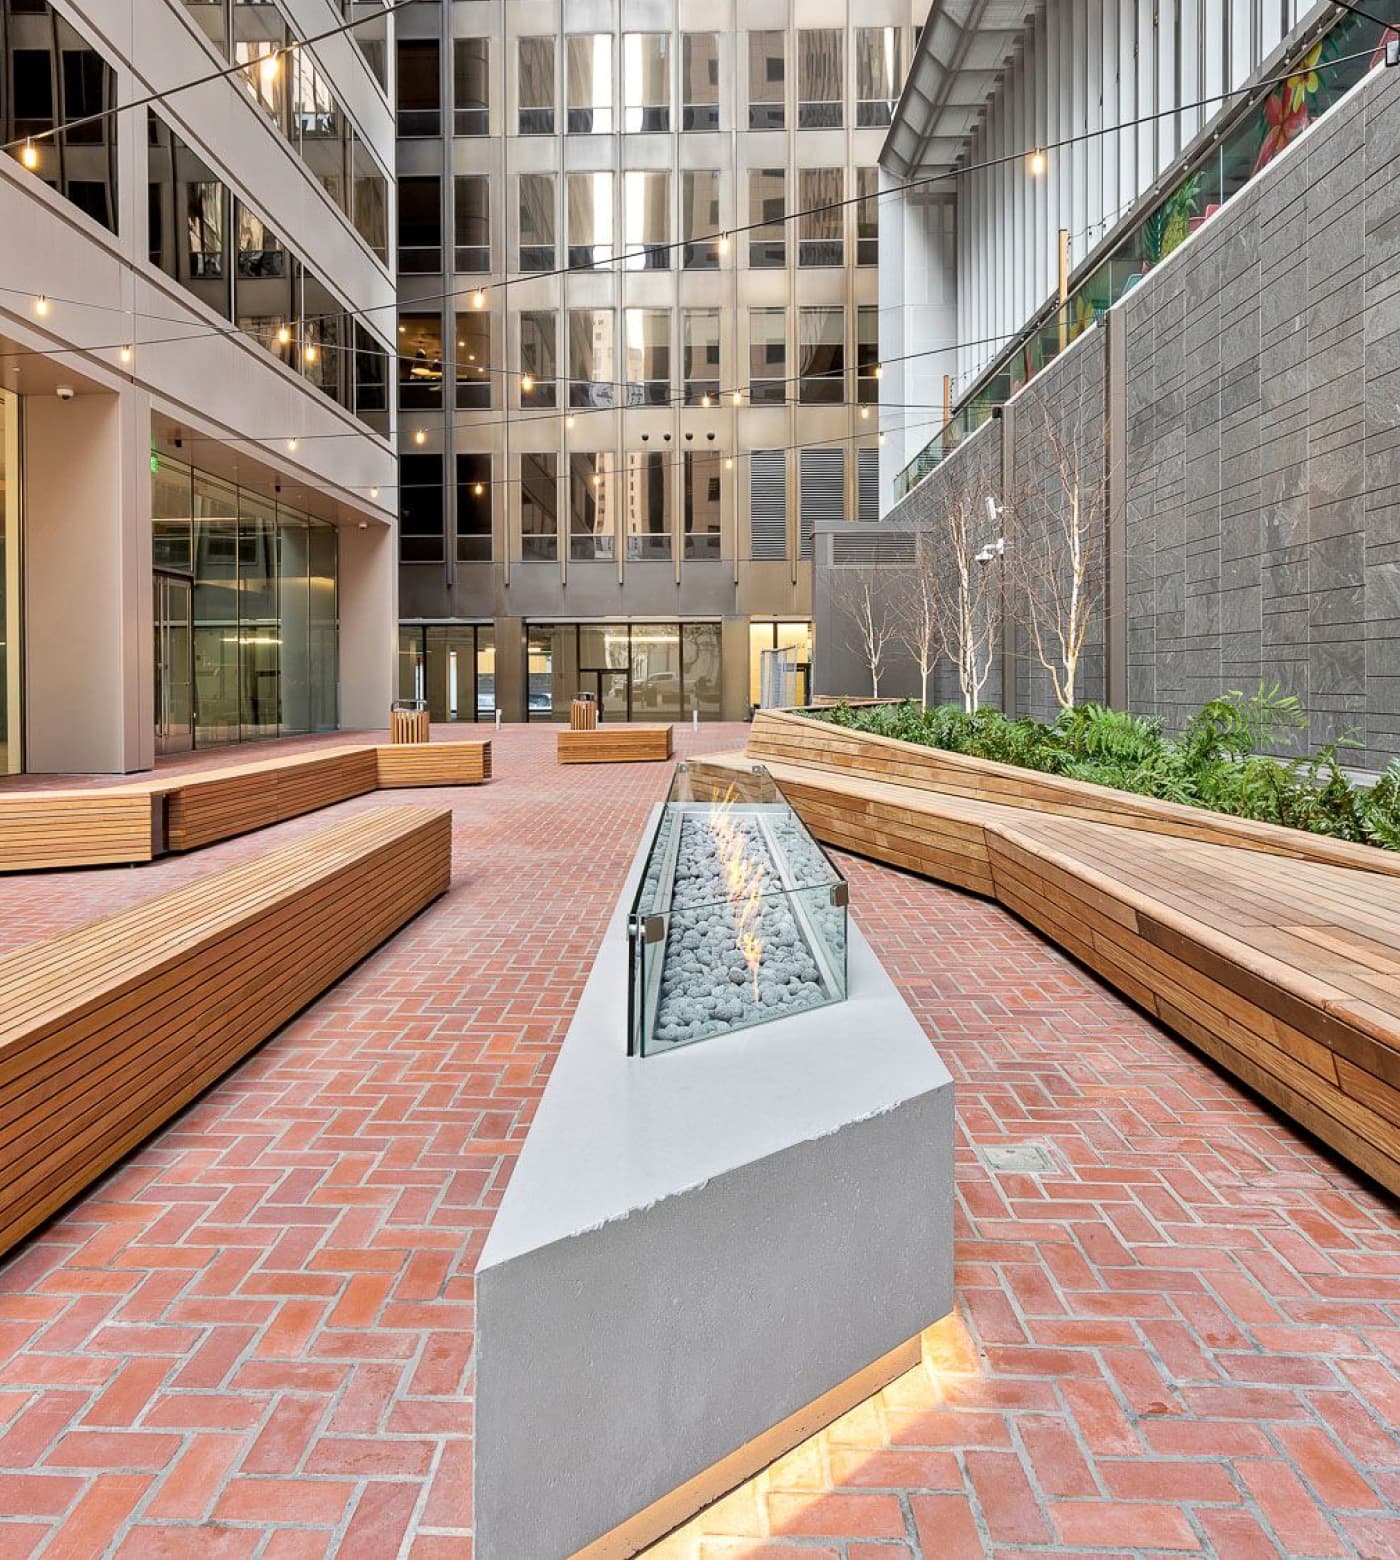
{"x": 740, "y": 917}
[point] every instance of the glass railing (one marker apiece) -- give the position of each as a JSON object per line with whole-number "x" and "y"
{"x": 1325, "y": 71}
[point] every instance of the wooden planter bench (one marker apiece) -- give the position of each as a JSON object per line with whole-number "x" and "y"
{"x": 109, "y": 1031}
{"x": 108, "y": 825}
{"x": 606, "y": 744}
{"x": 1275, "y": 952}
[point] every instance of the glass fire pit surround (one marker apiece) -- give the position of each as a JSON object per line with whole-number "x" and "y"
{"x": 740, "y": 916}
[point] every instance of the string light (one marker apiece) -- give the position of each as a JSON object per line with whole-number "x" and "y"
{"x": 865, "y": 414}
{"x": 729, "y": 463}
{"x": 876, "y": 372}
{"x": 420, "y": 435}
{"x": 738, "y": 398}
{"x": 284, "y": 335}
{"x": 527, "y": 383}
{"x": 478, "y": 299}
{"x": 1037, "y": 162}
{"x": 268, "y": 67}
{"x": 374, "y": 492}
{"x": 309, "y": 353}
{"x": 41, "y": 305}
{"x": 291, "y": 444}
{"x": 569, "y": 420}
{"x": 724, "y": 243}
{"x": 30, "y": 155}
{"x": 479, "y": 488}
{"x": 125, "y": 353}
{"x": 705, "y": 399}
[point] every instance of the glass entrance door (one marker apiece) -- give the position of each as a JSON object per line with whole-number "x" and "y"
{"x": 613, "y": 689}
{"x": 174, "y": 625}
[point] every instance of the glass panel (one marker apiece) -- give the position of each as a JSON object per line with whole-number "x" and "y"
{"x": 591, "y": 371}
{"x": 450, "y": 672}
{"x": 700, "y": 668}
{"x": 419, "y": 87}
{"x": 820, "y": 77}
{"x": 702, "y": 470}
{"x": 767, "y": 356}
{"x": 867, "y": 217}
{"x": 420, "y": 361}
{"x": 647, "y": 354}
{"x": 293, "y": 555}
{"x": 879, "y": 73}
{"x": 216, "y": 659}
{"x": 172, "y": 506}
{"x": 371, "y": 39}
{"x": 188, "y": 218}
{"x": 551, "y": 663}
{"x": 868, "y": 353}
{"x": 766, "y": 80}
{"x": 323, "y": 337}
{"x": 211, "y": 17}
{"x": 797, "y": 637}
{"x": 590, "y": 218}
{"x": 421, "y": 526}
{"x": 646, "y": 81}
{"x": 821, "y": 341}
{"x": 259, "y": 32}
{"x": 258, "y": 639}
{"x": 371, "y": 372}
{"x": 656, "y": 671}
{"x": 10, "y": 659}
{"x": 646, "y": 221}
{"x": 535, "y": 91}
{"x": 323, "y": 626}
{"x": 471, "y": 209}
{"x": 539, "y": 357}
{"x": 371, "y": 198}
{"x": 700, "y": 219}
{"x": 471, "y": 86}
{"x": 539, "y": 507}
{"x": 592, "y": 505}
{"x": 588, "y": 83}
{"x": 413, "y": 668}
{"x": 537, "y": 222}
{"x": 420, "y": 224}
{"x": 647, "y": 505}
{"x": 699, "y": 82}
{"x": 700, "y": 366}
{"x": 485, "y": 672}
{"x": 820, "y": 193}
{"x": 473, "y": 510}
{"x": 174, "y": 665}
{"x": 474, "y": 381}
{"x": 319, "y": 128}
{"x": 767, "y": 231}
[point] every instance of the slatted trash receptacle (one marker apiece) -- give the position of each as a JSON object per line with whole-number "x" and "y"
{"x": 583, "y": 712}
{"x": 408, "y": 721}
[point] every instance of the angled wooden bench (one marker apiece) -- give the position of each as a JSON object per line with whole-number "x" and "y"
{"x": 605, "y": 744}
{"x": 110, "y": 1030}
{"x": 138, "y": 821}
{"x": 1275, "y": 952}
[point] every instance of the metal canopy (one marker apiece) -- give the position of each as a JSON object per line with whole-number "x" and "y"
{"x": 964, "y": 47}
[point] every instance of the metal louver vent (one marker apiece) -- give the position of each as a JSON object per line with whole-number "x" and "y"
{"x": 768, "y": 504}
{"x": 871, "y": 546}
{"x": 822, "y": 489}
{"x": 868, "y": 484}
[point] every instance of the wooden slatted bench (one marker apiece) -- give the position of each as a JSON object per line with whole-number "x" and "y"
{"x": 128, "y": 823}
{"x": 1276, "y": 953}
{"x": 109, "y": 1031}
{"x": 640, "y": 744}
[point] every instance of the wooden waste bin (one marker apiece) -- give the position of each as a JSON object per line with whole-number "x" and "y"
{"x": 408, "y": 725}
{"x": 583, "y": 713}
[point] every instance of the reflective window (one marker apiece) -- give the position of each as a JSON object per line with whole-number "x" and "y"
{"x": 260, "y": 33}
{"x": 766, "y": 80}
{"x": 212, "y": 18}
{"x": 188, "y": 215}
{"x": 591, "y": 357}
{"x": 420, "y": 361}
{"x": 646, "y": 82}
{"x": 320, "y": 128}
{"x": 821, "y": 355}
{"x": 646, "y": 503}
{"x": 699, "y": 81}
{"x": 539, "y": 507}
{"x": 372, "y": 39}
{"x": 700, "y": 669}
{"x": 539, "y": 364}
{"x": 700, "y": 219}
{"x": 767, "y": 230}
{"x": 471, "y": 86}
{"x": 371, "y": 373}
{"x": 589, "y": 199}
{"x": 535, "y": 89}
{"x": 767, "y": 356}
{"x": 647, "y": 356}
{"x": 323, "y": 339}
{"x": 867, "y": 217}
{"x": 420, "y": 509}
{"x": 537, "y": 222}
{"x": 592, "y": 505}
{"x": 819, "y": 194}
{"x": 474, "y": 508}
{"x": 588, "y": 83}
{"x": 868, "y": 353}
{"x": 371, "y": 198}
{"x": 879, "y": 73}
{"x": 656, "y": 671}
{"x": 216, "y": 610}
{"x": 420, "y": 224}
{"x": 700, "y": 356}
{"x": 702, "y": 471}
{"x": 646, "y": 221}
{"x": 820, "y": 77}
{"x": 471, "y": 216}
{"x": 474, "y": 378}
{"x": 419, "y": 87}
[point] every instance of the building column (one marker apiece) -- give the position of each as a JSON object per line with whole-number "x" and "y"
{"x": 512, "y": 670}
{"x": 368, "y": 584}
{"x": 1115, "y": 626}
{"x": 1010, "y": 631}
{"x": 734, "y": 699}
{"x": 88, "y": 629}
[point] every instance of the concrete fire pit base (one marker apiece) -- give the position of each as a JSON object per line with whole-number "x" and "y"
{"x": 701, "y": 1258}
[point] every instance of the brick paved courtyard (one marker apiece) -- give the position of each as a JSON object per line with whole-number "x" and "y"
{"x": 254, "y": 1338}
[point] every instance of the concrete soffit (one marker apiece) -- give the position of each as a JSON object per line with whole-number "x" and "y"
{"x": 963, "y": 50}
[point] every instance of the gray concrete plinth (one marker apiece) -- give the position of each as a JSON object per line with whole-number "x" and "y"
{"x": 694, "y": 1247}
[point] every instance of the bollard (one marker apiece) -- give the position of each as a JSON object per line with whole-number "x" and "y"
{"x": 498, "y": 720}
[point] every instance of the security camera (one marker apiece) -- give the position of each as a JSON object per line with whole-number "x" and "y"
{"x": 65, "y": 392}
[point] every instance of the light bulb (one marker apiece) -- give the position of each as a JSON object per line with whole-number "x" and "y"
{"x": 374, "y": 492}
{"x": 738, "y": 398}
{"x": 420, "y": 435}
{"x": 309, "y": 353}
{"x": 569, "y": 420}
{"x": 876, "y": 372}
{"x": 125, "y": 353}
{"x": 729, "y": 463}
{"x": 478, "y": 299}
{"x": 1037, "y": 163}
{"x": 882, "y": 438}
{"x": 41, "y": 306}
{"x": 291, "y": 444}
{"x": 268, "y": 66}
{"x": 30, "y": 155}
{"x": 724, "y": 243}
{"x": 705, "y": 399}
{"x": 284, "y": 335}
{"x": 527, "y": 384}
{"x": 596, "y": 479}
{"x": 478, "y": 488}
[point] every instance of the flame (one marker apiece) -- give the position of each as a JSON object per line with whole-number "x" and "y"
{"x": 743, "y": 884}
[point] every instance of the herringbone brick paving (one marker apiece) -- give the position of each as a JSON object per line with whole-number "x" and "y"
{"x": 254, "y": 1338}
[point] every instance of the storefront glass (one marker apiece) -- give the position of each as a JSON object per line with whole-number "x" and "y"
{"x": 9, "y": 584}
{"x": 636, "y": 671}
{"x": 451, "y": 667}
{"x": 796, "y": 637}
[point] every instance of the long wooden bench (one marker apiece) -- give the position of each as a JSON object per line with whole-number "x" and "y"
{"x": 107, "y": 1032}
{"x": 136, "y": 822}
{"x": 1274, "y": 952}
{"x": 605, "y": 744}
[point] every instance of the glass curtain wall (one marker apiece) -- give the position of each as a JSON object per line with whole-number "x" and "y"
{"x": 10, "y": 755}
{"x": 636, "y": 671}
{"x": 266, "y": 620}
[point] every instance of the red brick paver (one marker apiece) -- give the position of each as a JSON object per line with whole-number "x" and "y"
{"x": 254, "y": 1338}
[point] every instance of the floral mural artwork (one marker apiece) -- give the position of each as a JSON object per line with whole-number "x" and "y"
{"x": 1288, "y": 112}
